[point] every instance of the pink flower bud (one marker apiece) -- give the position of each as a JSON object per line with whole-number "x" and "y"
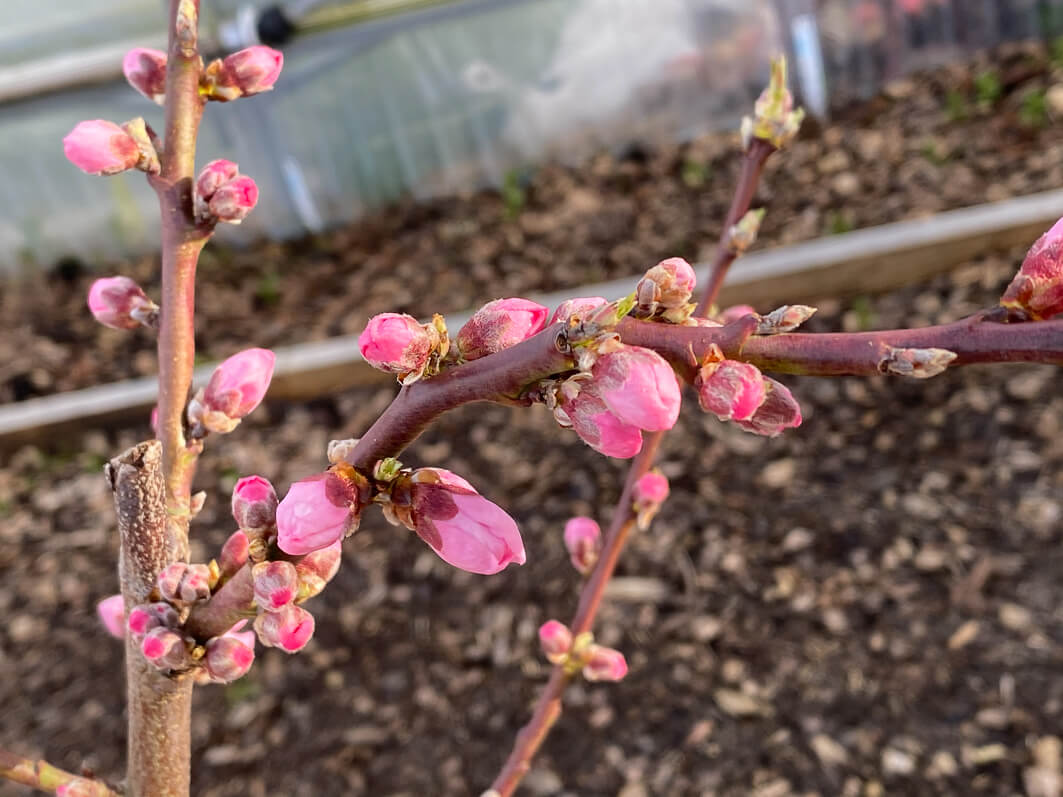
{"x": 275, "y": 584}
{"x": 228, "y": 657}
{"x": 234, "y": 200}
{"x": 779, "y": 411}
{"x": 316, "y": 513}
{"x": 734, "y": 312}
{"x": 146, "y": 616}
{"x": 464, "y": 528}
{"x": 556, "y": 640}
{"x": 576, "y": 307}
{"x": 254, "y": 503}
{"x": 397, "y": 343}
{"x": 647, "y": 496}
{"x": 184, "y": 582}
{"x": 583, "y": 539}
{"x": 669, "y": 283}
{"x": 1038, "y": 287}
{"x": 731, "y": 389}
{"x": 145, "y": 70}
{"x": 234, "y": 555}
{"x": 500, "y": 324}
{"x": 119, "y": 303}
{"x": 247, "y": 637}
{"x": 583, "y": 408}
{"x": 252, "y": 70}
{"x": 604, "y": 664}
{"x": 213, "y": 176}
{"x": 165, "y": 649}
{"x": 101, "y": 147}
{"x": 317, "y": 569}
{"x": 235, "y": 388}
{"x": 639, "y": 387}
{"x": 112, "y": 615}
{"x": 289, "y": 628}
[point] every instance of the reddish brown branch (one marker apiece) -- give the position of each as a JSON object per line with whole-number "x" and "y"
{"x": 39, "y": 774}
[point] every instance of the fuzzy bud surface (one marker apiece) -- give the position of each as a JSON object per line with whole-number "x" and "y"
{"x": 556, "y": 640}
{"x": 119, "y": 303}
{"x": 1038, "y": 287}
{"x": 397, "y": 343}
{"x": 145, "y": 69}
{"x": 112, "y": 614}
{"x": 730, "y": 389}
{"x": 317, "y": 512}
{"x": 500, "y": 324}
{"x": 101, "y": 147}
{"x": 639, "y": 387}
{"x": 254, "y": 503}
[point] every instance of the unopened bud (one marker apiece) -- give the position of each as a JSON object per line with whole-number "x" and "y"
{"x": 249, "y": 71}
{"x": 500, "y": 324}
{"x": 916, "y": 363}
{"x": 734, "y": 312}
{"x": 288, "y": 628}
{"x": 1037, "y": 289}
{"x": 730, "y": 389}
{"x": 120, "y": 303}
{"x": 165, "y": 648}
{"x": 744, "y": 234}
{"x": 778, "y": 411}
{"x": 234, "y": 555}
{"x": 149, "y": 158}
{"x": 213, "y": 176}
{"x": 604, "y": 664}
{"x": 235, "y": 388}
{"x": 669, "y": 284}
{"x": 785, "y": 319}
{"x": 184, "y": 582}
{"x": 83, "y": 787}
{"x": 101, "y": 147}
{"x": 228, "y": 658}
{"x": 234, "y": 200}
{"x": 145, "y": 69}
{"x": 316, "y": 569}
{"x": 648, "y": 494}
{"x": 774, "y": 119}
{"x": 254, "y": 503}
{"x": 341, "y": 451}
{"x": 399, "y": 344}
{"x": 196, "y": 502}
{"x": 576, "y": 308}
{"x": 275, "y": 584}
{"x": 583, "y": 539}
{"x": 556, "y": 641}
{"x": 112, "y": 614}
{"x": 146, "y": 616}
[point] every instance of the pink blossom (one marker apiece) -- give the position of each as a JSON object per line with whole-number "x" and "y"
{"x": 731, "y": 389}
{"x": 119, "y": 303}
{"x": 734, "y": 312}
{"x": 669, "y": 284}
{"x": 213, "y": 176}
{"x": 556, "y": 640}
{"x": 397, "y": 343}
{"x": 101, "y": 147}
{"x": 576, "y": 307}
{"x": 145, "y": 69}
{"x": 500, "y": 324}
{"x": 596, "y": 425}
{"x": 464, "y": 528}
{"x": 1038, "y": 287}
{"x": 228, "y": 657}
{"x": 604, "y": 664}
{"x": 252, "y": 70}
{"x": 112, "y": 614}
{"x": 254, "y": 503}
{"x": 316, "y": 513}
{"x": 639, "y": 387}
{"x": 289, "y": 628}
{"x": 583, "y": 540}
{"x": 779, "y": 411}
{"x": 275, "y": 584}
{"x": 235, "y": 388}
{"x": 234, "y": 200}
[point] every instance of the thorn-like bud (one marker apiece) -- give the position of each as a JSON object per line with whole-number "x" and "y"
{"x": 604, "y": 664}
{"x": 583, "y": 540}
{"x": 101, "y": 147}
{"x": 916, "y": 363}
{"x": 112, "y": 614}
{"x": 145, "y": 69}
{"x": 254, "y": 503}
{"x": 774, "y": 118}
{"x": 120, "y": 303}
{"x": 288, "y": 628}
{"x": 1037, "y": 289}
{"x": 778, "y": 411}
{"x": 576, "y": 308}
{"x": 275, "y": 584}
{"x": 498, "y": 325}
{"x": 166, "y": 649}
{"x": 649, "y": 492}
{"x": 228, "y": 658}
{"x": 184, "y": 582}
{"x": 399, "y": 344}
{"x": 556, "y": 641}
{"x": 744, "y": 234}
{"x": 235, "y": 388}
{"x": 785, "y": 319}
{"x": 730, "y": 389}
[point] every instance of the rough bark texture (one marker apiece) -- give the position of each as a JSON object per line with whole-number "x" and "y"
{"x": 159, "y": 706}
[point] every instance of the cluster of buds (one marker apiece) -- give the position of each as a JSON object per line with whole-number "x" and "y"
{"x": 155, "y": 628}
{"x": 738, "y": 391}
{"x": 235, "y": 388}
{"x": 103, "y": 148}
{"x": 119, "y": 303}
{"x": 665, "y": 291}
{"x": 281, "y": 623}
{"x": 580, "y": 653}
{"x": 443, "y": 509}
{"x": 243, "y": 74}
{"x": 400, "y": 344}
{"x": 181, "y": 582}
{"x": 774, "y": 120}
{"x": 583, "y": 541}
{"x": 499, "y": 325}
{"x": 223, "y": 194}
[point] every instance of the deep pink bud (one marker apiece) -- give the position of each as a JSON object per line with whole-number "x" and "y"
{"x": 289, "y": 628}
{"x": 234, "y": 200}
{"x": 576, "y": 307}
{"x": 275, "y": 584}
{"x": 145, "y": 69}
{"x": 397, "y": 343}
{"x": 1038, "y": 287}
{"x": 583, "y": 539}
{"x": 165, "y": 649}
{"x": 235, "y": 388}
{"x": 252, "y": 70}
{"x": 120, "y": 303}
{"x": 112, "y": 615}
{"x": 146, "y": 616}
{"x": 556, "y": 640}
{"x": 228, "y": 657}
{"x": 234, "y": 554}
{"x": 101, "y": 147}
{"x": 213, "y": 176}
{"x": 639, "y": 387}
{"x": 464, "y": 528}
{"x": 500, "y": 324}
{"x": 734, "y": 312}
{"x": 779, "y": 411}
{"x": 604, "y": 664}
{"x": 731, "y": 389}
{"x": 316, "y": 513}
{"x": 669, "y": 283}
{"x": 254, "y": 503}
{"x": 583, "y": 408}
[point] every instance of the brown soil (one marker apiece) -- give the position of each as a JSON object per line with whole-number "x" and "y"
{"x": 868, "y": 605}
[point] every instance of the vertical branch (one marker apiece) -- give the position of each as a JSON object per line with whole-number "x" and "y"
{"x": 159, "y": 743}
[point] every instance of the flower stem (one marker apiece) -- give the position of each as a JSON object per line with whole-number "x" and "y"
{"x": 41, "y": 775}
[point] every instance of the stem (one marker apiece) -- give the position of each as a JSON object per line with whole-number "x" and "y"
{"x": 41, "y": 775}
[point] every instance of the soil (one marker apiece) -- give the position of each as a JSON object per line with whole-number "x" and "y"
{"x": 867, "y": 605}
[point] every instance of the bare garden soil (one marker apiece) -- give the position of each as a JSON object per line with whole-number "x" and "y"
{"x": 868, "y": 605}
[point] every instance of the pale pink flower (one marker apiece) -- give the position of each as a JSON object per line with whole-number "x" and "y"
{"x": 235, "y": 388}
{"x": 604, "y": 664}
{"x": 1038, "y": 287}
{"x": 556, "y": 641}
{"x": 464, "y": 528}
{"x": 119, "y": 303}
{"x": 316, "y": 513}
{"x": 252, "y": 70}
{"x": 397, "y": 343}
{"x": 583, "y": 540}
{"x": 101, "y": 147}
{"x": 731, "y": 389}
{"x": 112, "y": 614}
{"x": 576, "y": 307}
{"x": 639, "y": 387}
{"x": 228, "y": 657}
{"x": 779, "y": 411}
{"x": 232, "y": 201}
{"x": 289, "y": 628}
{"x": 274, "y": 584}
{"x": 254, "y": 503}
{"x": 595, "y": 423}
{"x": 213, "y": 176}
{"x": 145, "y": 69}
{"x": 500, "y": 324}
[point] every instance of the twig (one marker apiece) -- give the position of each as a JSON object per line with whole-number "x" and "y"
{"x": 41, "y": 775}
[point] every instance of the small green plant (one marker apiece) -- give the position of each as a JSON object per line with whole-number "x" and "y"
{"x": 987, "y": 88}
{"x": 955, "y": 106}
{"x": 514, "y": 195}
{"x": 1034, "y": 109}
{"x": 839, "y": 223}
{"x": 694, "y": 173}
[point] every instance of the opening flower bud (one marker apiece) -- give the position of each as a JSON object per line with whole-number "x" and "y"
{"x": 317, "y": 512}
{"x": 254, "y": 503}
{"x": 101, "y": 147}
{"x": 227, "y": 658}
{"x": 234, "y": 200}
{"x": 288, "y": 628}
{"x": 119, "y": 303}
{"x": 639, "y": 387}
{"x": 1038, "y": 287}
{"x": 213, "y": 176}
{"x": 235, "y": 388}
{"x": 556, "y": 641}
{"x": 112, "y": 614}
{"x": 583, "y": 539}
{"x": 779, "y": 411}
{"x": 583, "y": 409}
{"x": 398, "y": 343}
{"x": 500, "y": 324}
{"x": 576, "y": 307}
{"x": 275, "y": 584}
{"x": 252, "y": 70}
{"x": 730, "y": 389}
{"x": 670, "y": 283}
{"x": 604, "y": 664}
{"x": 145, "y": 69}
